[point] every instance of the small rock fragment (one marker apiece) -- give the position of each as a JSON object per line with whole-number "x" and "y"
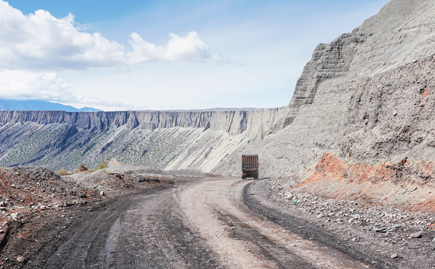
{"x": 20, "y": 259}
{"x": 102, "y": 193}
{"x": 394, "y": 256}
{"x": 14, "y": 216}
{"x": 416, "y": 235}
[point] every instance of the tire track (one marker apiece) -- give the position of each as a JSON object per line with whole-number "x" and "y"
{"x": 202, "y": 201}
{"x": 201, "y": 223}
{"x": 309, "y": 231}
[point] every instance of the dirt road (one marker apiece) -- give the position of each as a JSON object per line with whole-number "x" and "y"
{"x": 198, "y": 223}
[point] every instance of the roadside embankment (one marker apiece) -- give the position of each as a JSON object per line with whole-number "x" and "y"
{"x": 404, "y": 238}
{"x": 403, "y": 184}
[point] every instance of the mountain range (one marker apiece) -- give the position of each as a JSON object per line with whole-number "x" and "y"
{"x": 31, "y": 105}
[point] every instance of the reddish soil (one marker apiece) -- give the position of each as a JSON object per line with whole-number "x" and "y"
{"x": 25, "y": 190}
{"x": 426, "y": 92}
{"x": 404, "y": 183}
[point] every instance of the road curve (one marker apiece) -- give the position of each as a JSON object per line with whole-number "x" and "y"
{"x": 198, "y": 223}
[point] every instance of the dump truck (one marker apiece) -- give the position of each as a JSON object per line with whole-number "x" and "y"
{"x": 250, "y": 166}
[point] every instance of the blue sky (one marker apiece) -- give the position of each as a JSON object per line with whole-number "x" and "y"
{"x": 166, "y": 54}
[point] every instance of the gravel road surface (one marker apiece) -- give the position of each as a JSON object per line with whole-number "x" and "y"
{"x": 196, "y": 223}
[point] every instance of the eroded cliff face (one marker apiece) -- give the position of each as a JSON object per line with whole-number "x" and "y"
{"x": 329, "y": 61}
{"x": 366, "y": 97}
{"x": 403, "y": 31}
{"x": 56, "y": 139}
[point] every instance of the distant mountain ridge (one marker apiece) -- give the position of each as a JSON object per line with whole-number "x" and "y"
{"x": 33, "y": 105}
{"x": 207, "y": 109}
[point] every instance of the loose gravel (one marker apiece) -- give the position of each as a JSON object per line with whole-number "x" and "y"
{"x": 404, "y": 236}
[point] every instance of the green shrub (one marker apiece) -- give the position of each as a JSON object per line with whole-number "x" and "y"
{"x": 102, "y": 165}
{"x": 62, "y": 172}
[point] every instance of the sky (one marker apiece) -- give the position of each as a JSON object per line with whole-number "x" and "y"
{"x": 160, "y": 55}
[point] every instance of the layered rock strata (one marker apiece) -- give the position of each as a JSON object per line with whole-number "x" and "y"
{"x": 58, "y": 139}
{"x": 403, "y": 31}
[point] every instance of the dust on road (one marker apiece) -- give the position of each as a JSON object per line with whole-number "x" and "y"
{"x": 197, "y": 223}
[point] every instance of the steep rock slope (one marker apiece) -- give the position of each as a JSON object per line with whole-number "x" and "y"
{"x": 401, "y": 32}
{"x": 366, "y": 97}
{"x": 58, "y": 139}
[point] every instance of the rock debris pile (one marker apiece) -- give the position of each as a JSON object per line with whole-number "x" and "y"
{"x": 27, "y": 192}
{"x": 398, "y": 223}
{"x": 396, "y": 232}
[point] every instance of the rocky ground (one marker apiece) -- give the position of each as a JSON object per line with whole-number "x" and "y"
{"x": 46, "y": 216}
{"x": 407, "y": 238}
{"x": 35, "y": 201}
{"x": 40, "y": 211}
{"x": 209, "y": 222}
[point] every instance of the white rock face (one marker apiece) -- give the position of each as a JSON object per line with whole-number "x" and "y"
{"x": 173, "y": 140}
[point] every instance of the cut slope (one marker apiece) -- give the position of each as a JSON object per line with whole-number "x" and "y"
{"x": 360, "y": 97}
{"x": 401, "y": 32}
{"x": 401, "y": 184}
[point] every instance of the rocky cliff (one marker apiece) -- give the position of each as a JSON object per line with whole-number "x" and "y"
{"x": 57, "y": 139}
{"x": 365, "y": 97}
{"x": 400, "y": 33}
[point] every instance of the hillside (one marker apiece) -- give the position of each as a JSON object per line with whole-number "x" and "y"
{"x": 366, "y": 97}
{"x": 173, "y": 140}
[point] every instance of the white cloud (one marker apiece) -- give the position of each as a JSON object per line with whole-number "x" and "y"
{"x": 34, "y": 47}
{"x": 187, "y": 48}
{"x": 40, "y": 41}
{"x": 17, "y": 84}
{"x": 29, "y": 85}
